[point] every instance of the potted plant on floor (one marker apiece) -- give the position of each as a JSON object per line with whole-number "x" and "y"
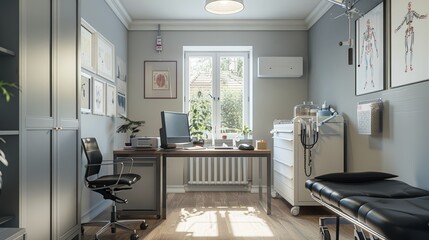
{"x": 130, "y": 126}
{"x": 5, "y": 91}
{"x": 199, "y": 118}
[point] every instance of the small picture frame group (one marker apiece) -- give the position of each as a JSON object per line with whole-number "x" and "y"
{"x": 99, "y": 94}
{"x": 99, "y": 97}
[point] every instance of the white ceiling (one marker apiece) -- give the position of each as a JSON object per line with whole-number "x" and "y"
{"x": 190, "y": 14}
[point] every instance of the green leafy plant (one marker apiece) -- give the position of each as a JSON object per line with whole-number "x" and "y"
{"x": 130, "y": 126}
{"x": 2, "y": 155}
{"x": 200, "y": 117}
{"x": 246, "y": 130}
{"x": 5, "y": 89}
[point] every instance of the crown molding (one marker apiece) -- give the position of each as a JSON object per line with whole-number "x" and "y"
{"x": 120, "y": 12}
{"x": 218, "y": 25}
{"x": 317, "y": 13}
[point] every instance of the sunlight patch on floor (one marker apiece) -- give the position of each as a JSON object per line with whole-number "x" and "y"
{"x": 248, "y": 224}
{"x": 198, "y": 223}
{"x": 238, "y": 221}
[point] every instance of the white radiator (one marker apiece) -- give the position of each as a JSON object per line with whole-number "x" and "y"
{"x": 218, "y": 170}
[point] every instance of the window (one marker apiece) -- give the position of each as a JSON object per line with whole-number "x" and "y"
{"x": 221, "y": 79}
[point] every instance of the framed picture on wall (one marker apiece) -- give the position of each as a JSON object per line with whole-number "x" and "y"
{"x": 110, "y": 100}
{"x": 105, "y": 58}
{"x": 121, "y": 106}
{"x": 370, "y": 51}
{"x": 121, "y": 69}
{"x": 85, "y": 93}
{"x": 98, "y": 96}
{"x": 88, "y": 44}
{"x": 409, "y": 33}
{"x": 160, "y": 79}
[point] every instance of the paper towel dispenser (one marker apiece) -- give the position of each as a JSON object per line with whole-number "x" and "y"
{"x": 369, "y": 116}
{"x": 280, "y": 67}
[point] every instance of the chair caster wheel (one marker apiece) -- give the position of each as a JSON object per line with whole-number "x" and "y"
{"x": 113, "y": 230}
{"x": 82, "y": 230}
{"x": 143, "y": 225}
{"x": 134, "y": 236}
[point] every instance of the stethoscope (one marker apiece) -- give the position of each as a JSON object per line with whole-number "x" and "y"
{"x": 309, "y": 137}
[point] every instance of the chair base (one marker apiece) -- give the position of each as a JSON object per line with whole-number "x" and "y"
{"x": 115, "y": 223}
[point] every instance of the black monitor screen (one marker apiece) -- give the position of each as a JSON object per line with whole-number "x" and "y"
{"x": 175, "y": 129}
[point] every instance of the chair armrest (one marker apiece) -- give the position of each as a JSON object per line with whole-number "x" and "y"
{"x": 129, "y": 159}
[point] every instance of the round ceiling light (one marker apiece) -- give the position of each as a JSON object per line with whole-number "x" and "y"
{"x": 224, "y": 6}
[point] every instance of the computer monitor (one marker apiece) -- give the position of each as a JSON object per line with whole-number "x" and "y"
{"x": 174, "y": 130}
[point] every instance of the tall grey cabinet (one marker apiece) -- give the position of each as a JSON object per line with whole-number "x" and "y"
{"x": 49, "y": 122}
{"x": 9, "y": 124}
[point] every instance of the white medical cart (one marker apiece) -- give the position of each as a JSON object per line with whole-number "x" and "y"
{"x": 288, "y": 159}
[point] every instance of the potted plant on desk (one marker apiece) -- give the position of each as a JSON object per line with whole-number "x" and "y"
{"x": 199, "y": 118}
{"x": 130, "y": 126}
{"x": 246, "y": 131}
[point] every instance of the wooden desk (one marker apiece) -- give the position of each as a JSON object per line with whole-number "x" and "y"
{"x": 165, "y": 154}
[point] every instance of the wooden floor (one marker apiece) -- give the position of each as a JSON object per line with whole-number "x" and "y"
{"x": 228, "y": 215}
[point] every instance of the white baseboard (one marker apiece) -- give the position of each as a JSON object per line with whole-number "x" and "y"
{"x": 255, "y": 189}
{"x": 175, "y": 189}
{"x": 95, "y": 211}
{"x": 217, "y": 188}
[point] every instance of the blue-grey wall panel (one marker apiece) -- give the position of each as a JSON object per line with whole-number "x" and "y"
{"x": 402, "y": 146}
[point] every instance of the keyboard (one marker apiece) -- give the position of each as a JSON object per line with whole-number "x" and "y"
{"x": 194, "y": 148}
{"x": 223, "y": 147}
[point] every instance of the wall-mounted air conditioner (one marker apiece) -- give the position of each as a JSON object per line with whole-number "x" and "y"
{"x": 280, "y": 67}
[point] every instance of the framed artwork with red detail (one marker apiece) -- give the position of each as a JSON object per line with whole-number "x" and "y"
{"x": 160, "y": 79}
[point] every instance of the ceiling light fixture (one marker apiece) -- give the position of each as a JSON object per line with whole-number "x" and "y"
{"x": 224, "y": 6}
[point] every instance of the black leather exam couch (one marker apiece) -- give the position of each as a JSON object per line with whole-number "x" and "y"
{"x": 384, "y": 208}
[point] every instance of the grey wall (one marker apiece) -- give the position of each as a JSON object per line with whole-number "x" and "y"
{"x": 402, "y": 147}
{"x": 273, "y": 98}
{"x": 99, "y": 15}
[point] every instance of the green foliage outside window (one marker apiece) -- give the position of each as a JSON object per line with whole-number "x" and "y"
{"x": 200, "y": 116}
{"x": 231, "y": 112}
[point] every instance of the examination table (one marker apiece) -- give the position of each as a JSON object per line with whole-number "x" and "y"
{"x": 375, "y": 204}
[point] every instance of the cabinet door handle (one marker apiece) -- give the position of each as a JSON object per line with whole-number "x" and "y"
{"x": 58, "y": 128}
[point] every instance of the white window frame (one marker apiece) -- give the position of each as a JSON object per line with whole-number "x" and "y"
{"x": 216, "y": 52}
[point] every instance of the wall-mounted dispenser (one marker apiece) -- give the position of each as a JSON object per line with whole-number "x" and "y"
{"x": 369, "y": 116}
{"x": 158, "y": 46}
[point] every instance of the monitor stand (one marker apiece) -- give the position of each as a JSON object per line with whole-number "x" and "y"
{"x": 169, "y": 146}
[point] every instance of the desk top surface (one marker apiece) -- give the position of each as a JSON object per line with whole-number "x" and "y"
{"x": 199, "y": 152}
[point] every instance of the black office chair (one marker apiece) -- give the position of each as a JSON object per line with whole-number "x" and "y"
{"x": 108, "y": 185}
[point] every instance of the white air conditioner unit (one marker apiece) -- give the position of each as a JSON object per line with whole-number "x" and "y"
{"x": 280, "y": 67}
